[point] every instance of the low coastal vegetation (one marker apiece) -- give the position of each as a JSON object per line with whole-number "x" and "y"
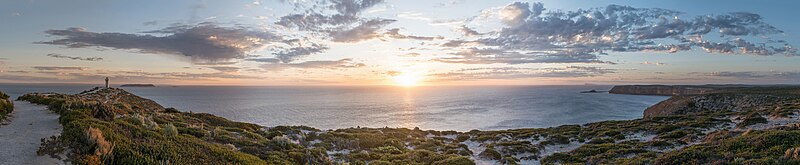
{"x": 112, "y": 126}
{"x": 6, "y": 106}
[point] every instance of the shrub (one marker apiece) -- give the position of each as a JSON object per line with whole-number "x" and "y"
{"x": 601, "y": 140}
{"x": 752, "y": 119}
{"x": 6, "y": 106}
{"x": 94, "y": 137}
{"x": 388, "y": 150}
{"x": 170, "y": 130}
{"x": 171, "y": 110}
{"x": 455, "y": 160}
{"x": 492, "y": 154}
{"x": 462, "y": 137}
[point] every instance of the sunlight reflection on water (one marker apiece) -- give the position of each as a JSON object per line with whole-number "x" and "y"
{"x": 440, "y": 108}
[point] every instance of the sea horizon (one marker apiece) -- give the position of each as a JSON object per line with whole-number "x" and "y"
{"x": 426, "y": 107}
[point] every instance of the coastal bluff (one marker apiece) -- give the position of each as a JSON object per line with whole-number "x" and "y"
{"x": 690, "y": 99}
{"x": 662, "y": 90}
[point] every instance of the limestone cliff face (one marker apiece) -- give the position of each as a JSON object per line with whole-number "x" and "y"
{"x": 663, "y": 90}
{"x": 678, "y": 105}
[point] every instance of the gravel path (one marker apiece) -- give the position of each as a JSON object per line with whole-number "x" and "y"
{"x": 20, "y": 139}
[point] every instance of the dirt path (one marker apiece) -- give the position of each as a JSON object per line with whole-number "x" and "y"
{"x": 20, "y": 139}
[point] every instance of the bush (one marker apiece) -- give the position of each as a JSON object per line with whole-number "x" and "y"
{"x": 456, "y": 160}
{"x": 170, "y": 130}
{"x": 752, "y": 119}
{"x": 171, "y": 110}
{"x": 6, "y": 106}
{"x": 96, "y": 140}
{"x": 490, "y": 153}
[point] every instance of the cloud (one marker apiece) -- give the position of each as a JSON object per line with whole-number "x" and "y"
{"x": 475, "y": 55}
{"x": 150, "y": 23}
{"x": 337, "y": 64}
{"x": 518, "y": 73}
{"x": 205, "y": 42}
{"x": 365, "y": 31}
{"x": 450, "y": 3}
{"x": 60, "y": 68}
{"x": 466, "y": 31}
{"x": 340, "y": 21}
{"x": 431, "y": 21}
{"x": 55, "y": 55}
{"x": 515, "y": 13}
{"x": 597, "y": 31}
{"x": 225, "y": 68}
{"x": 327, "y": 13}
{"x": 290, "y": 54}
{"x": 653, "y": 63}
{"x": 412, "y": 54}
{"x": 264, "y": 60}
{"x": 756, "y": 75}
{"x": 369, "y": 30}
{"x": 55, "y": 75}
{"x": 395, "y": 33}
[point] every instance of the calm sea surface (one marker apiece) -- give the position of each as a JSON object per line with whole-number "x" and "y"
{"x": 439, "y": 108}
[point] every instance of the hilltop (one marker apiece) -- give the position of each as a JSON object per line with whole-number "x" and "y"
{"x": 735, "y": 125}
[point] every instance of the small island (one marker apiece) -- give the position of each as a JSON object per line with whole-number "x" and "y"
{"x": 137, "y": 85}
{"x": 592, "y": 91}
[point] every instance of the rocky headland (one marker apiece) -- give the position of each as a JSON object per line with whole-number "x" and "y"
{"x": 741, "y": 125}
{"x": 661, "y": 90}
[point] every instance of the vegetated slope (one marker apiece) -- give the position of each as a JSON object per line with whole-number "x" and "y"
{"x": 6, "y": 106}
{"x": 116, "y": 127}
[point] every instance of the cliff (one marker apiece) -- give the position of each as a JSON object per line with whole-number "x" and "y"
{"x": 725, "y": 99}
{"x": 662, "y": 90}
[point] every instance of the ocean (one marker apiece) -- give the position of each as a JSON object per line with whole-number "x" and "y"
{"x": 460, "y": 108}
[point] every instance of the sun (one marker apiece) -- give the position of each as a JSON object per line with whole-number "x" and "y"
{"x": 407, "y": 78}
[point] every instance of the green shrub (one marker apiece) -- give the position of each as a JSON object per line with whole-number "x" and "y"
{"x": 170, "y": 130}
{"x": 6, "y": 106}
{"x": 455, "y": 160}
{"x": 752, "y": 119}
{"x": 490, "y": 153}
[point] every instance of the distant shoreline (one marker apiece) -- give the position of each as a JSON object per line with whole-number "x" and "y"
{"x": 137, "y": 85}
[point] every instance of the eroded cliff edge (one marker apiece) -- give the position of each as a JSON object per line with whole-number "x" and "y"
{"x": 715, "y": 99}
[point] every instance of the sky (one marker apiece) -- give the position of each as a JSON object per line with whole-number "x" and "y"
{"x": 399, "y": 42}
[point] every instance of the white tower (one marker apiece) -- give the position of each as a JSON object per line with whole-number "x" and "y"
{"x": 106, "y": 82}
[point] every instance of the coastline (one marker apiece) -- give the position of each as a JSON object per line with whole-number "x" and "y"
{"x": 656, "y": 139}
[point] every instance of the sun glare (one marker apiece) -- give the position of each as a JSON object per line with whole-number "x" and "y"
{"x": 407, "y": 78}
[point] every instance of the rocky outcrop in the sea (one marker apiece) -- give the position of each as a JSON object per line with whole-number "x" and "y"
{"x": 663, "y": 90}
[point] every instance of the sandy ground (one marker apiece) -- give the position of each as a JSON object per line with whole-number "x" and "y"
{"x": 20, "y": 139}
